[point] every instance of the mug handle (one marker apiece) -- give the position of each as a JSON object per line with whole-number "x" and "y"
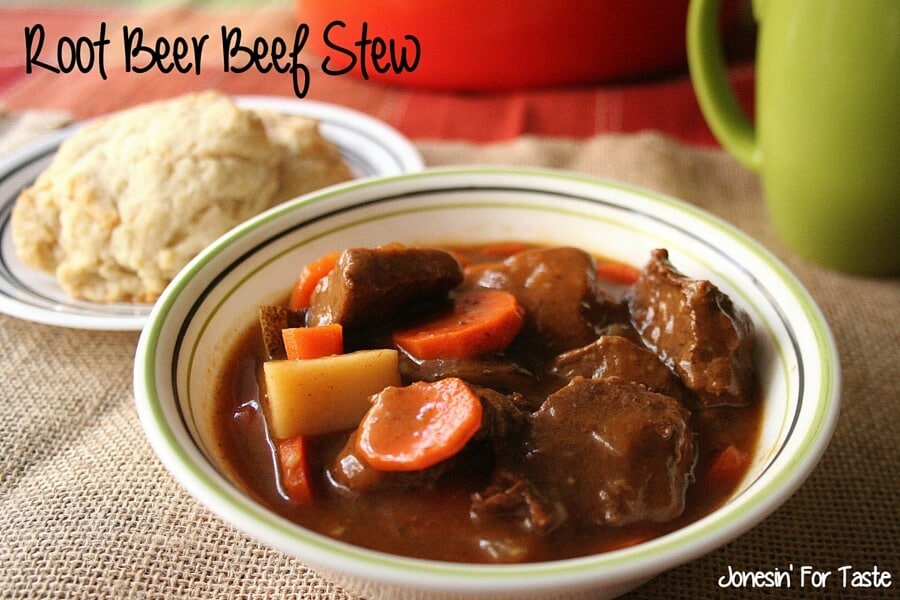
{"x": 706, "y": 62}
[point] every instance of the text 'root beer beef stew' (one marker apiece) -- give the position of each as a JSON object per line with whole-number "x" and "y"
{"x": 499, "y": 403}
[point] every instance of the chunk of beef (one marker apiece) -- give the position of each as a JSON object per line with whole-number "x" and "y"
{"x": 510, "y": 496}
{"x": 615, "y": 356}
{"x": 695, "y": 330}
{"x": 556, "y": 287}
{"x": 499, "y": 372}
{"x": 502, "y": 422}
{"x": 614, "y": 452}
{"x": 370, "y": 285}
{"x": 623, "y": 329}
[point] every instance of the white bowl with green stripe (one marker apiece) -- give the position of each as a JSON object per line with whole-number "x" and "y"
{"x": 215, "y": 298}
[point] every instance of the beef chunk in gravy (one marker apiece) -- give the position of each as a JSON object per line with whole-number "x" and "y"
{"x": 613, "y": 452}
{"x": 511, "y": 496}
{"x": 616, "y": 356}
{"x": 696, "y": 331}
{"x": 557, "y": 288}
{"x": 499, "y": 372}
{"x": 370, "y": 285}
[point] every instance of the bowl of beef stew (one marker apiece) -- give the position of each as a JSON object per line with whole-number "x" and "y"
{"x": 496, "y": 383}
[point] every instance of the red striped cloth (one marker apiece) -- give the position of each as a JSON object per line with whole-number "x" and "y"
{"x": 666, "y": 104}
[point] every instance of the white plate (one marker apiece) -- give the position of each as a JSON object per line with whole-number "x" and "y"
{"x": 370, "y": 147}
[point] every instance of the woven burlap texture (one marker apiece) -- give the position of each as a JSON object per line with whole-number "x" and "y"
{"x": 86, "y": 509}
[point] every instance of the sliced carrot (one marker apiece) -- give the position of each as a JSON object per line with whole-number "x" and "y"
{"x": 480, "y": 321}
{"x": 313, "y": 342}
{"x": 618, "y": 272}
{"x": 458, "y": 257}
{"x": 296, "y": 478}
{"x": 417, "y": 426}
{"x": 729, "y": 464}
{"x": 503, "y": 249}
{"x": 309, "y": 276}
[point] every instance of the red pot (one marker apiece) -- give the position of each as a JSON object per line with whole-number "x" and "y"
{"x": 484, "y": 45}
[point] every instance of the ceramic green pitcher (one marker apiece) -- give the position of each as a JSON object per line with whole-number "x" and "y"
{"x": 825, "y": 139}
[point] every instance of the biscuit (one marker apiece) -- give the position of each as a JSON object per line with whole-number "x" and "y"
{"x": 130, "y": 198}
{"x": 308, "y": 161}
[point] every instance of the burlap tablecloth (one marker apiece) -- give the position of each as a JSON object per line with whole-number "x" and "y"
{"x": 86, "y": 510}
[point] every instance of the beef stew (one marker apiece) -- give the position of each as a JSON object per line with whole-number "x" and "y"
{"x": 583, "y": 431}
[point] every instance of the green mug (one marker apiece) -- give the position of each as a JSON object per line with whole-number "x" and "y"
{"x": 825, "y": 139}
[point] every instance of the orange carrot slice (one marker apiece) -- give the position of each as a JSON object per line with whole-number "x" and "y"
{"x": 504, "y": 249}
{"x": 309, "y": 276}
{"x": 293, "y": 458}
{"x": 415, "y": 427}
{"x": 618, "y": 272}
{"x": 729, "y": 464}
{"x": 457, "y": 256}
{"x": 480, "y": 322}
{"x": 313, "y": 342}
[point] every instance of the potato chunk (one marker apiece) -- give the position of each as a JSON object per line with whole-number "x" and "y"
{"x": 328, "y": 394}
